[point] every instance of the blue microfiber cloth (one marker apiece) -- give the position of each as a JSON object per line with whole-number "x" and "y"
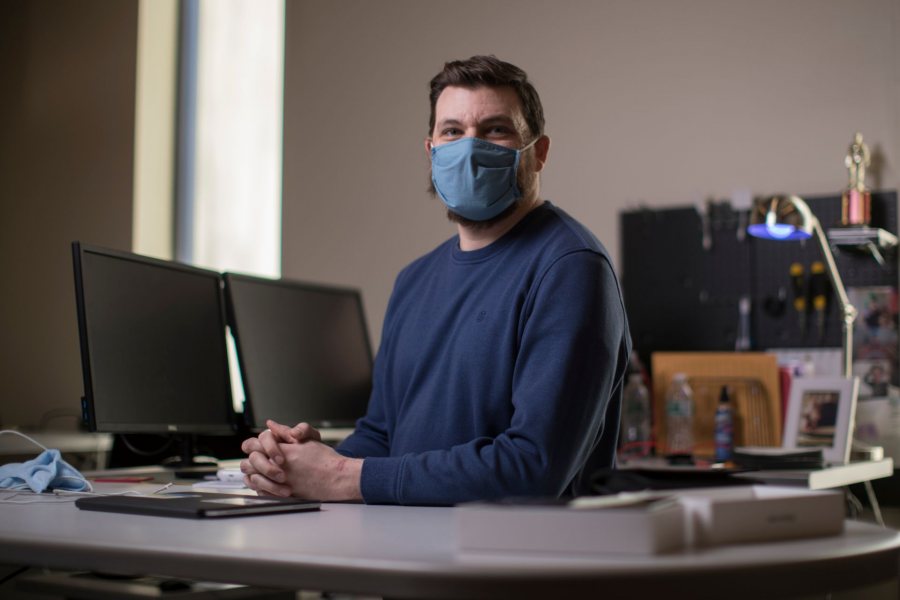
{"x": 48, "y": 471}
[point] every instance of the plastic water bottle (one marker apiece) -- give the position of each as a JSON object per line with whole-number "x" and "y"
{"x": 680, "y": 416}
{"x": 637, "y": 428}
{"x": 723, "y": 436}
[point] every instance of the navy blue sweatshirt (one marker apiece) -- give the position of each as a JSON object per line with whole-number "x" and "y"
{"x": 500, "y": 370}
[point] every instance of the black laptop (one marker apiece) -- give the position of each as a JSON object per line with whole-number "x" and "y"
{"x": 194, "y": 505}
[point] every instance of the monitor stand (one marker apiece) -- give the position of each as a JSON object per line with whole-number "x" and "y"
{"x": 187, "y": 465}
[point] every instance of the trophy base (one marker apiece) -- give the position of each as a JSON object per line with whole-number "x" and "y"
{"x": 856, "y": 207}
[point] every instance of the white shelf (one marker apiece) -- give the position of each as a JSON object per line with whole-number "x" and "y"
{"x": 829, "y": 477}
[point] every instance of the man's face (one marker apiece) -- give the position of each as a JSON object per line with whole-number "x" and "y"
{"x": 493, "y": 114}
{"x": 490, "y": 113}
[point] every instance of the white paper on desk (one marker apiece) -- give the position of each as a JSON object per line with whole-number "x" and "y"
{"x": 219, "y": 486}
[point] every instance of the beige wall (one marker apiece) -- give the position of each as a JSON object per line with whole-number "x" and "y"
{"x": 66, "y": 150}
{"x": 647, "y": 102}
{"x": 653, "y": 102}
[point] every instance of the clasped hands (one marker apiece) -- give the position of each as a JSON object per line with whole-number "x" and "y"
{"x": 293, "y": 461}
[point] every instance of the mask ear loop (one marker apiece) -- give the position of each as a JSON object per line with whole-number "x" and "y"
{"x": 530, "y": 144}
{"x": 519, "y": 154}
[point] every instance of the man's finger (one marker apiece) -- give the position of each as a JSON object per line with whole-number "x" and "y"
{"x": 265, "y": 485}
{"x": 283, "y": 433}
{"x": 306, "y": 432}
{"x": 270, "y": 448}
{"x": 261, "y": 464}
{"x": 247, "y": 468}
{"x": 251, "y": 445}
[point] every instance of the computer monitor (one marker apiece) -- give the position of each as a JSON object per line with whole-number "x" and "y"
{"x": 153, "y": 349}
{"x": 303, "y": 351}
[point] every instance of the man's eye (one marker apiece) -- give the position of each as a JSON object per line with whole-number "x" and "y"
{"x": 499, "y": 130}
{"x": 451, "y": 131}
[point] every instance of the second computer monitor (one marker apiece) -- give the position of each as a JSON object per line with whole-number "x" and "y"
{"x": 303, "y": 351}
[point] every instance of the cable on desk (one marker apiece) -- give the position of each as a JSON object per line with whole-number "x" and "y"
{"x": 13, "y": 575}
{"x": 873, "y": 501}
{"x": 62, "y": 496}
{"x": 33, "y": 498}
{"x": 22, "y": 435}
{"x": 140, "y": 452}
{"x": 855, "y": 506}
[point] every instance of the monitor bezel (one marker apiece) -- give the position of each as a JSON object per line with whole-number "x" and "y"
{"x": 89, "y": 417}
{"x": 227, "y": 277}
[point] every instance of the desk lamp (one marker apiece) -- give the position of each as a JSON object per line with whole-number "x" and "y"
{"x": 789, "y": 218}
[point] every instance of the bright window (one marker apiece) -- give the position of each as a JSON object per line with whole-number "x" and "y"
{"x": 229, "y": 198}
{"x": 236, "y": 196}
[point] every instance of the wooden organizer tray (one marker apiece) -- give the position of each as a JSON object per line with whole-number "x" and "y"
{"x": 753, "y": 382}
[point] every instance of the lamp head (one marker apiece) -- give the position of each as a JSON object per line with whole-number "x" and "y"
{"x": 781, "y": 218}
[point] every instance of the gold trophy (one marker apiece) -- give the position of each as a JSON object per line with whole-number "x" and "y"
{"x": 856, "y": 203}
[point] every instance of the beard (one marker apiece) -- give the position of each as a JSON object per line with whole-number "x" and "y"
{"x": 526, "y": 181}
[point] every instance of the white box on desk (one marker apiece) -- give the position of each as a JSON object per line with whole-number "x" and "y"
{"x": 652, "y": 526}
{"x": 760, "y": 513}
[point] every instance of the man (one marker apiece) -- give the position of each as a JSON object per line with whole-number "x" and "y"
{"x": 503, "y": 352}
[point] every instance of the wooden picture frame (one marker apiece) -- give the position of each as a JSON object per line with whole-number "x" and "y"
{"x": 821, "y": 414}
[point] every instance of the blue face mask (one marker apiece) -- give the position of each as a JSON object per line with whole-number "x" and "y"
{"x": 475, "y": 178}
{"x": 46, "y": 472}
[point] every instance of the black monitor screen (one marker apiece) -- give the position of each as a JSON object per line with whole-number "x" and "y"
{"x": 152, "y": 344}
{"x": 303, "y": 351}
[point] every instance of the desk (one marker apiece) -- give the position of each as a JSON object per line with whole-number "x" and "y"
{"x": 409, "y": 552}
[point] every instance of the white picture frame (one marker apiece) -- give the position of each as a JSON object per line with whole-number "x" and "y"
{"x": 820, "y": 414}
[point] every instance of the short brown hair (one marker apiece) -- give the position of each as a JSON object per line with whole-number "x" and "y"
{"x": 490, "y": 71}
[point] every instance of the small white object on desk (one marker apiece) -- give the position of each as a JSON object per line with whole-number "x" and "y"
{"x": 219, "y": 486}
{"x": 227, "y": 480}
{"x": 231, "y": 475}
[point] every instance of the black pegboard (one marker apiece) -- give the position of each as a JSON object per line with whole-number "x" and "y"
{"x": 681, "y": 296}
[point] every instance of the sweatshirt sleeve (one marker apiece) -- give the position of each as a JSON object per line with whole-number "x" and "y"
{"x": 370, "y": 437}
{"x": 572, "y": 347}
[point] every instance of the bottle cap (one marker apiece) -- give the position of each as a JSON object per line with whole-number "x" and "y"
{"x": 723, "y": 396}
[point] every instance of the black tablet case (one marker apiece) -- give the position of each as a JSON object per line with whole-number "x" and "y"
{"x": 194, "y": 505}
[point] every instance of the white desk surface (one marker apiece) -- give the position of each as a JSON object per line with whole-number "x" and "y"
{"x": 410, "y": 552}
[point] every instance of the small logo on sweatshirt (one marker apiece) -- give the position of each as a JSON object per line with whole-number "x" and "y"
{"x": 481, "y": 316}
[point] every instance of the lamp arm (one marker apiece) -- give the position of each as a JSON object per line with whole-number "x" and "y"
{"x": 848, "y": 311}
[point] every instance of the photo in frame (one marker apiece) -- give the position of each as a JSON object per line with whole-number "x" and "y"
{"x": 875, "y": 332}
{"x": 820, "y": 414}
